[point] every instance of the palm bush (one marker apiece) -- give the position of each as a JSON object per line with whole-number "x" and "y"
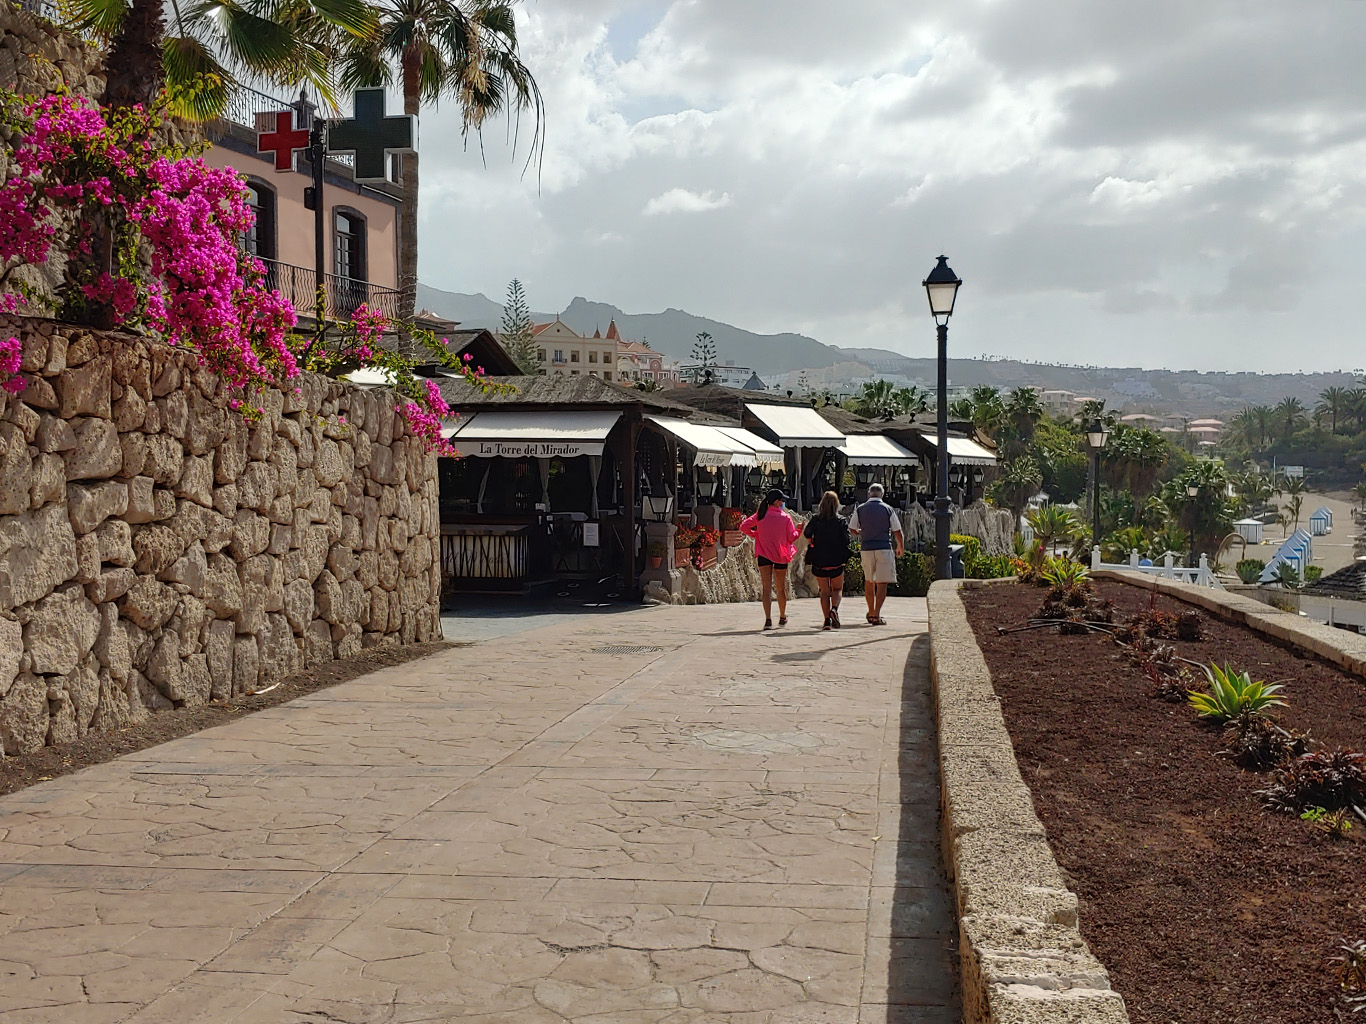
{"x": 1234, "y": 696}
{"x": 1065, "y": 573}
{"x": 1052, "y": 523}
{"x": 1249, "y": 570}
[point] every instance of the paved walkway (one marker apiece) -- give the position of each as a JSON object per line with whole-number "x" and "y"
{"x": 722, "y": 827}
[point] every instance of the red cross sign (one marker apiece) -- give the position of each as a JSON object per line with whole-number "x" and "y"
{"x": 283, "y": 140}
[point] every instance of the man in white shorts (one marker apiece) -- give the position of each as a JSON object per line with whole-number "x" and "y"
{"x": 878, "y": 528}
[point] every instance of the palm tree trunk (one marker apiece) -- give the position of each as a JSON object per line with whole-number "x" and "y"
{"x": 407, "y": 224}
{"x": 133, "y": 66}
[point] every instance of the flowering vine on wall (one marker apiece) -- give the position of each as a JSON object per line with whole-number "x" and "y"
{"x": 151, "y": 238}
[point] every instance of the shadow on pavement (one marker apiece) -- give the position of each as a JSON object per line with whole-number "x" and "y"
{"x": 922, "y": 973}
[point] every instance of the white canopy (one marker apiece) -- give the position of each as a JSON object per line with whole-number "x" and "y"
{"x": 965, "y": 452}
{"x": 370, "y": 377}
{"x": 710, "y": 446}
{"x": 876, "y": 450}
{"x": 766, "y": 453}
{"x": 532, "y": 435}
{"x": 797, "y": 426}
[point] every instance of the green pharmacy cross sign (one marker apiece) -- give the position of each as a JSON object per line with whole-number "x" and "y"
{"x": 371, "y": 136}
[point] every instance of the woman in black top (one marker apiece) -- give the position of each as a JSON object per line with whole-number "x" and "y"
{"x": 828, "y": 550}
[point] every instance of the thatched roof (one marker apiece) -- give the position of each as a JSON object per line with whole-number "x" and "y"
{"x": 1348, "y": 582}
{"x": 561, "y": 390}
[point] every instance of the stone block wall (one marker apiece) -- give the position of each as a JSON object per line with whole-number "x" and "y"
{"x": 159, "y": 550}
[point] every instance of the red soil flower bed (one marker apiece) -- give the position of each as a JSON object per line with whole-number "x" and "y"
{"x": 1205, "y": 907}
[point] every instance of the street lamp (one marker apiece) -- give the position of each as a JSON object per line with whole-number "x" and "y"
{"x": 1096, "y": 436}
{"x": 942, "y": 288}
{"x": 1192, "y": 492}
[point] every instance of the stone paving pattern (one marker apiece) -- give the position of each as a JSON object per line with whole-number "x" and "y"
{"x": 739, "y": 827}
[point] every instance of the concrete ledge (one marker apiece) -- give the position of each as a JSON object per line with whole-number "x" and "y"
{"x": 1340, "y": 647}
{"x": 1023, "y": 959}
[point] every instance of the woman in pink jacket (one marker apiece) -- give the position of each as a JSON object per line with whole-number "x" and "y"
{"x": 775, "y": 536}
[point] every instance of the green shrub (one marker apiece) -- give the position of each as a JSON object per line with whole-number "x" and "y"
{"x": 1063, "y": 572}
{"x": 1312, "y": 573}
{"x": 853, "y": 574}
{"x": 1249, "y": 570}
{"x": 991, "y": 567}
{"x": 914, "y": 574}
{"x": 972, "y": 548}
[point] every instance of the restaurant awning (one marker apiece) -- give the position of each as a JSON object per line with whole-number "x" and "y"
{"x": 766, "y": 453}
{"x": 515, "y": 434}
{"x": 876, "y": 450}
{"x": 965, "y": 452}
{"x": 797, "y": 426}
{"x": 709, "y": 445}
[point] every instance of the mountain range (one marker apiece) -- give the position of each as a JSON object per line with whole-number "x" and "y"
{"x": 774, "y": 356}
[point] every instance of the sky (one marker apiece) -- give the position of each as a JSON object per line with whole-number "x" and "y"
{"x": 1161, "y": 184}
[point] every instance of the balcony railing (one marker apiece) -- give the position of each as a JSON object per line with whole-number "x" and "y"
{"x": 343, "y": 294}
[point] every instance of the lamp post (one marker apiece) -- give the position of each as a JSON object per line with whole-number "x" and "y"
{"x": 942, "y": 288}
{"x": 1192, "y": 492}
{"x": 1096, "y": 436}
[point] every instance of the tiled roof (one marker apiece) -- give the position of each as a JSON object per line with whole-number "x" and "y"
{"x": 559, "y": 390}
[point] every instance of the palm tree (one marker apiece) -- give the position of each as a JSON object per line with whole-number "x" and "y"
{"x": 1265, "y": 418}
{"x": 987, "y": 409}
{"x": 1293, "y": 508}
{"x": 911, "y": 401}
{"x": 1332, "y": 402}
{"x": 878, "y": 400}
{"x": 465, "y": 50}
{"x": 1290, "y": 413}
{"x": 1019, "y": 481}
{"x": 283, "y": 42}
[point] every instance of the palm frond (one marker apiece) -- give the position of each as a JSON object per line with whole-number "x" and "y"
{"x": 197, "y": 85}
{"x": 102, "y": 17}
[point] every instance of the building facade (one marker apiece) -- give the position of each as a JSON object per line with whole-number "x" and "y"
{"x": 562, "y": 350}
{"x": 636, "y": 361}
{"x": 361, "y": 222}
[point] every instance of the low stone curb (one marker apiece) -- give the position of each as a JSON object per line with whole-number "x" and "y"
{"x": 1340, "y": 647}
{"x": 1023, "y": 959}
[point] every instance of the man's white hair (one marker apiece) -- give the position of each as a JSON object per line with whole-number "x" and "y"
{"x": 874, "y": 490}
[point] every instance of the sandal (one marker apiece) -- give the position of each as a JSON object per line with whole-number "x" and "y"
{"x": 768, "y": 623}
{"x": 879, "y": 621}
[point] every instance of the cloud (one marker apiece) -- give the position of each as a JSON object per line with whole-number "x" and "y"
{"x": 1165, "y": 182}
{"x": 680, "y": 200}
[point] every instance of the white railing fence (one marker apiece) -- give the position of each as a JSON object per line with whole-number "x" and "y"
{"x": 1200, "y": 576}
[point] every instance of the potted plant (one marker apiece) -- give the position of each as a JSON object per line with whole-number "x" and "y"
{"x": 657, "y": 549}
{"x": 684, "y": 538}
{"x": 730, "y": 527}
{"x": 704, "y": 547}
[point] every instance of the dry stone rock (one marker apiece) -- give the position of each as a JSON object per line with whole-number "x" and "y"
{"x": 230, "y": 458}
{"x": 39, "y": 393}
{"x": 256, "y": 486}
{"x": 97, "y": 455}
{"x": 87, "y": 559}
{"x": 24, "y": 715}
{"x": 149, "y": 696}
{"x": 246, "y": 665}
{"x": 250, "y": 534}
{"x": 37, "y": 552}
{"x": 149, "y": 603}
{"x": 279, "y": 649}
{"x": 111, "y": 709}
{"x": 89, "y": 505}
{"x": 54, "y": 434}
{"x": 141, "y": 500}
{"x": 157, "y": 548}
{"x": 82, "y": 689}
{"x": 327, "y": 594}
{"x": 198, "y": 685}
{"x": 130, "y": 411}
{"x": 205, "y": 427}
{"x": 134, "y": 447}
{"x": 167, "y": 381}
{"x": 16, "y": 470}
{"x": 318, "y": 643}
{"x": 115, "y": 539}
{"x": 175, "y": 414}
{"x": 298, "y": 605}
{"x": 218, "y": 649}
{"x": 190, "y": 569}
{"x": 222, "y": 590}
{"x": 61, "y": 631}
{"x": 165, "y": 669}
{"x": 85, "y": 391}
{"x": 110, "y": 585}
{"x": 11, "y": 647}
{"x": 165, "y": 459}
{"x": 49, "y": 480}
{"x": 80, "y": 349}
{"x": 111, "y": 648}
{"x": 196, "y": 481}
{"x": 163, "y": 504}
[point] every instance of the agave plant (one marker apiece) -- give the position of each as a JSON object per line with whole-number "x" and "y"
{"x": 1234, "y": 696}
{"x": 1064, "y": 573}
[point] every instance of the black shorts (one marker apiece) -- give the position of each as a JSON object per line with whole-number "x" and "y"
{"x": 769, "y": 561}
{"x": 828, "y": 572}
